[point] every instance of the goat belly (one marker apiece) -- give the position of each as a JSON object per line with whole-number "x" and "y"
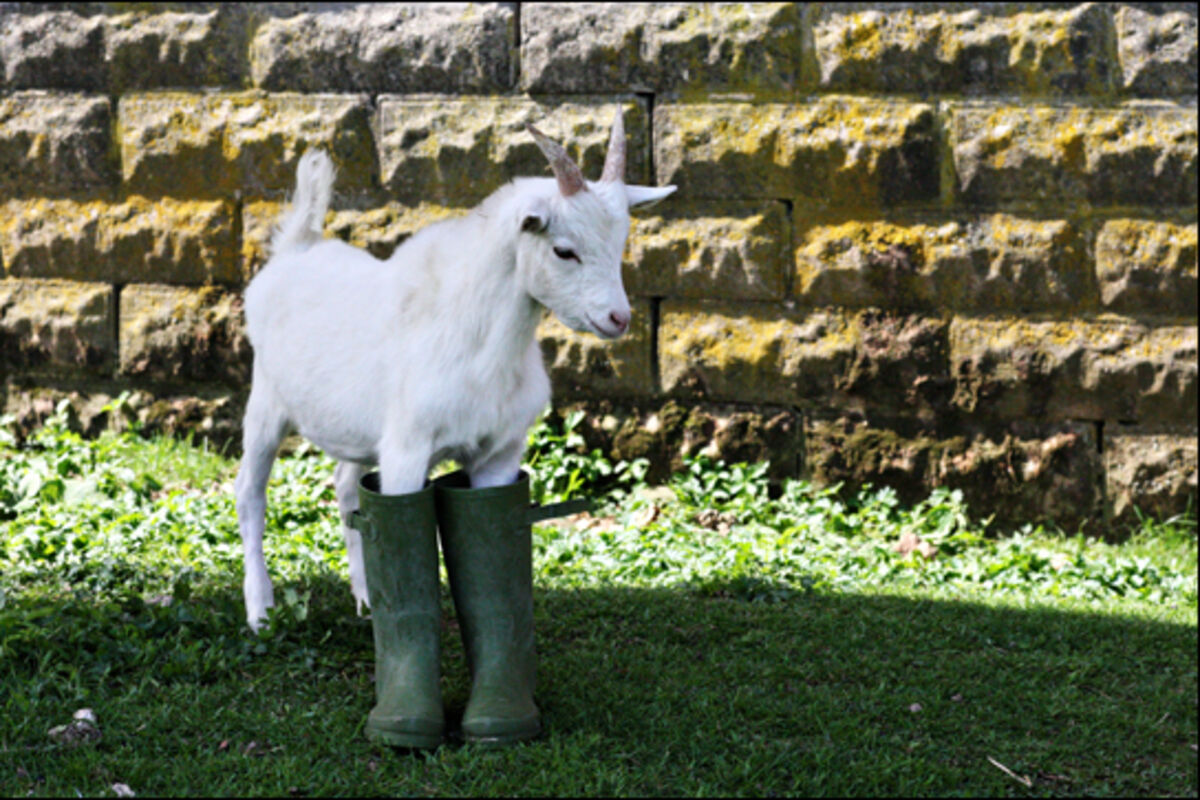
{"x": 315, "y": 321}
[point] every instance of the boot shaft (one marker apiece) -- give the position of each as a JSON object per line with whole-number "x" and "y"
{"x": 400, "y": 559}
{"x": 399, "y": 535}
{"x": 487, "y": 546}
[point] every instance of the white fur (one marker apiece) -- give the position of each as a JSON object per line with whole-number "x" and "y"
{"x": 426, "y": 356}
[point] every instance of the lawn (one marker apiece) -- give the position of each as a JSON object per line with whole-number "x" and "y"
{"x": 705, "y": 637}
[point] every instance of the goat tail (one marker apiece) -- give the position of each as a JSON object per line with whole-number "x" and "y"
{"x": 303, "y": 224}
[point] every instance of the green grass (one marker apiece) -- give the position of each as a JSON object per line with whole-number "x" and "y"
{"x": 702, "y": 638}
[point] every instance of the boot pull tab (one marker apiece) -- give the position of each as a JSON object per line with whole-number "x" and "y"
{"x": 363, "y": 524}
{"x": 538, "y": 513}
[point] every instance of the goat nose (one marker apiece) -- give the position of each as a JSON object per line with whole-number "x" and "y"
{"x": 620, "y": 320}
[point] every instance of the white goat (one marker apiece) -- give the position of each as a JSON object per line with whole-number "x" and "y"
{"x": 430, "y": 354}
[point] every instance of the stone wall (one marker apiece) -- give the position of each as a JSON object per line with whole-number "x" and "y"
{"x": 913, "y": 245}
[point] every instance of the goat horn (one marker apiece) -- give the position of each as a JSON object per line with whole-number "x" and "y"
{"x": 570, "y": 178}
{"x": 614, "y": 161}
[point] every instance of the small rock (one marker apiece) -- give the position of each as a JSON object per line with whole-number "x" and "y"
{"x": 598, "y": 524}
{"x": 916, "y": 708}
{"x": 644, "y": 517}
{"x": 123, "y": 790}
{"x": 657, "y": 494}
{"x": 909, "y": 542}
{"x": 260, "y": 749}
{"x": 78, "y": 732}
{"x": 719, "y": 521}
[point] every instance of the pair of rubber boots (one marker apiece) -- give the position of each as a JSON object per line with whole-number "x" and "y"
{"x": 486, "y": 541}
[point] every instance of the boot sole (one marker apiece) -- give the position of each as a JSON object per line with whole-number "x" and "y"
{"x": 497, "y": 742}
{"x": 490, "y": 740}
{"x": 395, "y": 738}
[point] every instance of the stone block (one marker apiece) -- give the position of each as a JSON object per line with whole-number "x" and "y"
{"x": 465, "y": 148}
{"x": 891, "y": 367}
{"x": 899, "y": 374}
{"x": 458, "y": 150}
{"x": 1037, "y": 471}
{"x": 583, "y": 364}
{"x": 209, "y": 413}
{"x": 665, "y": 433}
{"x": 1042, "y": 472}
{"x": 170, "y": 241}
{"x": 54, "y": 144}
{"x": 147, "y": 50}
{"x": 377, "y": 230}
{"x": 52, "y": 238}
{"x": 836, "y": 151}
{"x": 1104, "y": 156}
{"x": 1149, "y": 469}
{"x": 1012, "y": 369}
{"x": 1147, "y": 267}
{"x": 732, "y": 250}
{"x": 218, "y": 145}
{"x": 851, "y": 452}
{"x": 990, "y": 263}
{"x": 389, "y": 47}
{"x": 747, "y": 352}
{"x": 1157, "y": 51}
{"x": 138, "y": 240}
{"x": 56, "y": 326}
{"x": 89, "y": 48}
{"x": 28, "y": 408}
{"x": 963, "y": 49}
{"x": 688, "y": 49}
{"x": 173, "y": 333}
{"x": 53, "y": 50}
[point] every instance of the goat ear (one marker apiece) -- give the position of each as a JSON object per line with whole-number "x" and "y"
{"x": 645, "y": 195}
{"x": 534, "y": 215}
{"x": 533, "y": 223}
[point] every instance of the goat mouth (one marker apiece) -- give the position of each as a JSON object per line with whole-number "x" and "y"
{"x": 600, "y": 330}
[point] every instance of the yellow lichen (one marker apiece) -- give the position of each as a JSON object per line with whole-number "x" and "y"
{"x": 755, "y": 354}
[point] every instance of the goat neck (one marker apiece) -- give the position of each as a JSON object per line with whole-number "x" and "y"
{"x": 470, "y": 283}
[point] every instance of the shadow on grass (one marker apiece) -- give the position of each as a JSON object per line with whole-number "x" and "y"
{"x": 643, "y": 692}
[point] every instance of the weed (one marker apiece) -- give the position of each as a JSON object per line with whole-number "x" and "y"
{"x": 560, "y": 464}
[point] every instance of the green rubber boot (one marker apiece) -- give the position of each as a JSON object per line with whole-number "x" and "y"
{"x": 487, "y": 545}
{"x": 399, "y": 539}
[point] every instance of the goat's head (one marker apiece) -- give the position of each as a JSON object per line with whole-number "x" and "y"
{"x": 572, "y": 234}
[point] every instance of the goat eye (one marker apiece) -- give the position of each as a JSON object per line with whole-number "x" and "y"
{"x": 566, "y": 254}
